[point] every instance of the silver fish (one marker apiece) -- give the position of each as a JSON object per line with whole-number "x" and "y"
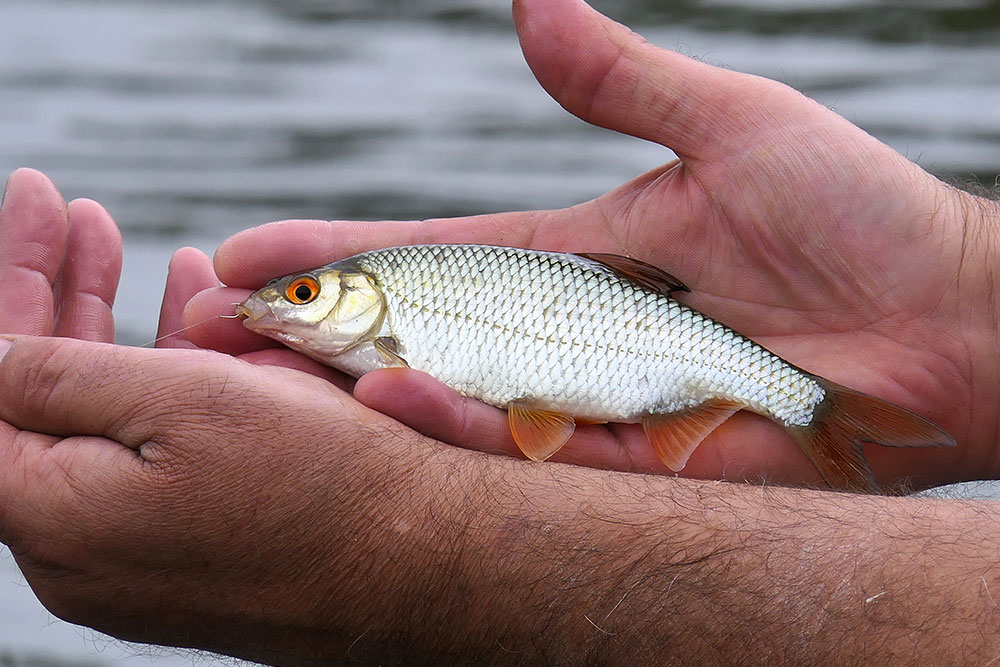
{"x": 558, "y": 338}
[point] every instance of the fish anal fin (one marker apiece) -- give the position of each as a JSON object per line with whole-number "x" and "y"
{"x": 847, "y": 418}
{"x": 640, "y": 273}
{"x": 676, "y": 435}
{"x": 388, "y": 351}
{"x": 538, "y": 433}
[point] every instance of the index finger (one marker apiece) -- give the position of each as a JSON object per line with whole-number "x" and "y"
{"x": 252, "y": 257}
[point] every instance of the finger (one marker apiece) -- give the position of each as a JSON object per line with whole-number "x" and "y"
{"x": 69, "y": 387}
{"x": 190, "y": 272}
{"x": 89, "y": 279}
{"x": 286, "y": 358}
{"x": 607, "y": 75}
{"x": 43, "y": 379}
{"x": 210, "y": 331}
{"x": 437, "y": 411}
{"x": 255, "y": 256}
{"x": 57, "y": 486}
{"x": 745, "y": 447}
{"x": 33, "y": 230}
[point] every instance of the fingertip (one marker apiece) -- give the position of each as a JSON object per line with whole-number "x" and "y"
{"x": 205, "y": 328}
{"x": 88, "y": 205}
{"x": 23, "y": 175}
{"x": 33, "y": 190}
{"x": 91, "y": 223}
{"x": 188, "y": 273}
{"x": 252, "y": 257}
{"x": 189, "y": 257}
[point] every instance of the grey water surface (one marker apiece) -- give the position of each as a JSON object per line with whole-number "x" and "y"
{"x": 192, "y": 120}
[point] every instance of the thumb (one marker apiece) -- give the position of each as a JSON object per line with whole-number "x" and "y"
{"x": 608, "y": 75}
{"x": 68, "y": 387}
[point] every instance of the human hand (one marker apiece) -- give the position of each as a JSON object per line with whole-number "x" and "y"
{"x": 181, "y": 496}
{"x": 201, "y": 501}
{"x": 790, "y": 224}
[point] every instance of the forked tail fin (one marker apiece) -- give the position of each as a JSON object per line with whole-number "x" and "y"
{"x": 844, "y": 420}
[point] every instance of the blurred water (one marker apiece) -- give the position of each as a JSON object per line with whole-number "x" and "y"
{"x": 192, "y": 120}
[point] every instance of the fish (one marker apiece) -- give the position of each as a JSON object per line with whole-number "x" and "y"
{"x": 559, "y": 339}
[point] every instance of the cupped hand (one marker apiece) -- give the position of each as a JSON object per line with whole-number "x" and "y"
{"x": 788, "y": 223}
{"x": 182, "y": 496}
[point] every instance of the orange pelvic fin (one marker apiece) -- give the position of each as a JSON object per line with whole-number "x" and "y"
{"x": 538, "y": 433}
{"x": 845, "y": 419}
{"x": 676, "y": 435}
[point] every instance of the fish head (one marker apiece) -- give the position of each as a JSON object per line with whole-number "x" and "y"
{"x": 321, "y": 313}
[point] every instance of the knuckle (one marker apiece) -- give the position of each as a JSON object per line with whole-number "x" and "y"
{"x": 43, "y": 377}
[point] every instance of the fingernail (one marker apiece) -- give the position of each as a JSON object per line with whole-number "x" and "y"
{"x": 6, "y": 186}
{"x": 5, "y": 344}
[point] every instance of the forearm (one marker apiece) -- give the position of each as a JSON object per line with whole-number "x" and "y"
{"x": 516, "y": 563}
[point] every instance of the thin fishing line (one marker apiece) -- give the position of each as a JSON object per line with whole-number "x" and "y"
{"x": 190, "y": 326}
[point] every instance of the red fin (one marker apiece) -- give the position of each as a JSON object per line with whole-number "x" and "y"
{"x": 538, "y": 433}
{"x": 845, "y": 419}
{"x": 675, "y": 435}
{"x": 640, "y": 273}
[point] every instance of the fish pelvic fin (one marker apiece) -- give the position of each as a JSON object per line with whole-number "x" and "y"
{"x": 675, "y": 435}
{"x": 538, "y": 433}
{"x": 847, "y": 418}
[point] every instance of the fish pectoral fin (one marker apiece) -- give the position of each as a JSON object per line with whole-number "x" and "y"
{"x": 676, "y": 435}
{"x": 640, "y": 273}
{"x": 538, "y": 433}
{"x": 388, "y": 350}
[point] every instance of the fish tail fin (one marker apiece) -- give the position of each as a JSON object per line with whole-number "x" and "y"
{"x": 847, "y": 418}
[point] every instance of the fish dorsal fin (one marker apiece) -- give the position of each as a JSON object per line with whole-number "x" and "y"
{"x": 676, "y": 435}
{"x": 538, "y": 433}
{"x": 640, "y": 273}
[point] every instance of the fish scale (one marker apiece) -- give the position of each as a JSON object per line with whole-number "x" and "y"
{"x": 508, "y": 324}
{"x": 555, "y": 338}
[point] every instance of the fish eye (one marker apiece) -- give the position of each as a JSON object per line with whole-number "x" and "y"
{"x": 302, "y": 290}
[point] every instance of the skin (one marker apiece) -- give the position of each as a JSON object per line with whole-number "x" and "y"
{"x": 787, "y": 222}
{"x": 254, "y": 506}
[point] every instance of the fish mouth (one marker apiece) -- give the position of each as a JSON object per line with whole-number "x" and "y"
{"x": 243, "y": 311}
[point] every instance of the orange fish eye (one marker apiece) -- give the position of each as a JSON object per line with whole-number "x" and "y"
{"x": 302, "y": 290}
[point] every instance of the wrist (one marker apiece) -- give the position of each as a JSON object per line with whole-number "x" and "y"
{"x": 976, "y": 275}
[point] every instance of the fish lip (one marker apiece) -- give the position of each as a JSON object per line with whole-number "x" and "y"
{"x": 256, "y": 314}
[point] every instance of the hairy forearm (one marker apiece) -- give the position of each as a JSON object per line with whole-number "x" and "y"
{"x": 511, "y": 563}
